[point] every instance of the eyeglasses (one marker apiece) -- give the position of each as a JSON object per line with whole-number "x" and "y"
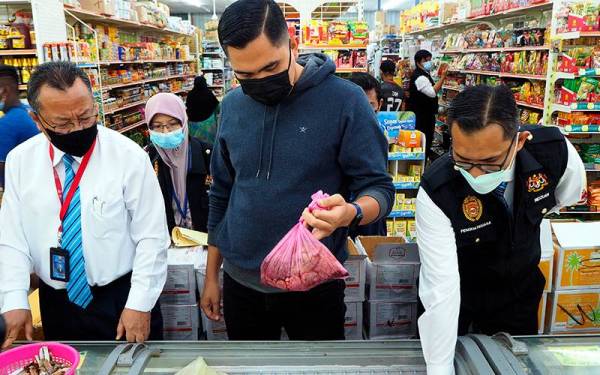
{"x": 70, "y": 126}
{"x": 485, "y": 167}
{"x": 165, "y": 128}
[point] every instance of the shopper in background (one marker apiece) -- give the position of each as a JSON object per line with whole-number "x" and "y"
{"x": 16, "y": 126}
{"x": 423, "y": 96}
{"x": 391, "y": 93}
{"x": 293, "y": 128}
{"x": 202, "y": 111}
{"x": 371, "y": 87}
{"x": 83, "y": 210}
{"x": 479, "y": 211}
{"x": 181, "y": 162}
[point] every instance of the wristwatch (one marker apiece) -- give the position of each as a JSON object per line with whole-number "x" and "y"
{"x": 357, "y": 219}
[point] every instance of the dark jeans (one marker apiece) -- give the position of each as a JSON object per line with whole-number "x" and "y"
{"x": 64, "y": 321}
{"x": 314, "y": 315}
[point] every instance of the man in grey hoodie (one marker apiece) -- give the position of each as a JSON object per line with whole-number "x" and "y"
{"x": 293, "y": 128}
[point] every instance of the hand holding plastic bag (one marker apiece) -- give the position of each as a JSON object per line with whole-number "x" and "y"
{"x": 300, "y": 262}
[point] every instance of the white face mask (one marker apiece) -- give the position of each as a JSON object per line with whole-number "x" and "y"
{"x": 488, "y": 182}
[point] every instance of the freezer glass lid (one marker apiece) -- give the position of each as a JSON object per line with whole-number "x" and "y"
{"x": 562, "y": 354}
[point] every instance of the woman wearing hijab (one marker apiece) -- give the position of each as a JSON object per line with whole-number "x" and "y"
{"x": 202, "y": 111}
{"x": 181, "y": 163}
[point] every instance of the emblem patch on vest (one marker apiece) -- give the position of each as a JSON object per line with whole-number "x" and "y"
{"x": 537, "y": 183}
{"x": 472, "y": 208}
{"x": 208, "y": 181}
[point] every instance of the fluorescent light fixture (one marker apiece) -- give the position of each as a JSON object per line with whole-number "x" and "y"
{"x": 393, "y": 4}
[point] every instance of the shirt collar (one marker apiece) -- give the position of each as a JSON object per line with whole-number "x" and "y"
{"x": 58, "y": 156}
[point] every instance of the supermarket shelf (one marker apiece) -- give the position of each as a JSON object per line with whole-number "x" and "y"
{"x": 406, "y": 185}
{"x": 111, "y": 87}
{"x": 489, "y": 17}
{"x": 17, "y": 52}
{"x": 216, "y": 53}
{"x": 402, "y": 214}
{"x": 131, "y": 127}
{"x": 86, "y": 15}
{"x": 328, "y": 48}
{"x": 592, "y": 170}
{"x": 580, "y": 129}
{"x": 529, "y": 105}
{"x": 481, "y": 72}
{"x": 505, "y": 75}
{"x": 127, "y": 106}
{"x": 22, "y": 87}
{"x": 116, "y": 62}
{"x": 577, "y": 107}
{"x": 577, "y": 35}
{"x": 351, "y": 70}
{"x": 182, "y": 90}
{"x": 213, "y": 69}
{"x": 452, "y": 88}
{"x": 216, "y": 86}
{"x": 392, "y": 156}
{"x": 500, "y": 49}
{"x": 391, "y": 54}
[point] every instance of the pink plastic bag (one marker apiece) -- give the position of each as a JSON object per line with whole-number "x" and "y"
{"x": 300, "y": 262}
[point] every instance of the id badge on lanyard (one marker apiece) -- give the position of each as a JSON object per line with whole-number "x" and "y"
{"x": 183, "y": 209}
{"x": 59, "y": 257}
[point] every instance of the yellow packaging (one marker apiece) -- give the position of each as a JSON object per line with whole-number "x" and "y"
{"x": 546, "y": 268}
{"x": 418, "y": 149}
{"x": 415, "y": 170}
{"x": 411, "y": 229}
{"x": 390, "y": 226}
{"x": 574, "y": 311}
{"x": 400, "y": 228}
{"x": 577, "y": 268}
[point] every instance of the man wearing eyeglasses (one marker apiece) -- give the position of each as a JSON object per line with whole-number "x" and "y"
{"x": 82, "y": 210}
{"x": 479, "y": 211}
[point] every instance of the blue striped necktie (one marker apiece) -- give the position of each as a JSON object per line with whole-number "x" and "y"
{"x": 499, "y": 193}
{"x": 78, "y": 289}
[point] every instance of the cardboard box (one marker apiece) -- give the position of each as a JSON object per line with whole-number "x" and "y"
{"x": 574, "y": 311}
{"x": 180, "y": 287}
{"x": 391, "y": 320}
{"x": 106, "y": 7}
{"x": 353, "y": 324}
{"x": 392, "y": 268}
{"x": 215, "y": 331}
{"x": 542, "y": 313}
{"x": 546, "y": 267}
{"x": 577, "y": 256}
{"x": 357, "y": 268}
{"x": 180, "y": 322}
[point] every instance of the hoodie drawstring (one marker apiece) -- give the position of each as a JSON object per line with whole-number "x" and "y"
{"x": 262, "y": 138}
{"x": 272, "y": 143}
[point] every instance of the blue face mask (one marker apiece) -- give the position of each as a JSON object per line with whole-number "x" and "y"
{"x": 427, "y": 65}
{"x": 168, "y": 140}
{"x": 488, "y": 182}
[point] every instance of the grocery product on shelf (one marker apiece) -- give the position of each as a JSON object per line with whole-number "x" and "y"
{"x": 518, "y": 34}
{"x": 348, "y": 59}
{"x": 24, "y": 66}
{"x": 422, "y": 16}
{"x": 484, "y": 8}
{"x": 578, "y": 15}
{"x": 336, "y": 33}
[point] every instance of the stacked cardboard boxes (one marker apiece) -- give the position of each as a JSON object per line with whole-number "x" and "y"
{"x": 355, "y": 292}
{"x": 179, "y": 299}
{"x": 546, "y": 266}
{"x": 574, "y": 304}
{"x": 392, "y": 271}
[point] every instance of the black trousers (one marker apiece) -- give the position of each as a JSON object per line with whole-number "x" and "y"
{"x": 314, "y": 315}
{"x": 425, "y": 123}
{"x": 64, "y": 321}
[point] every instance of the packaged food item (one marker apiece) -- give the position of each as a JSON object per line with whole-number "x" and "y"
{"x": 411, "y": 230}
{"x": 338, "y": 33}
{"x": 408, "y": 138}
{"x": 400, "y": 228}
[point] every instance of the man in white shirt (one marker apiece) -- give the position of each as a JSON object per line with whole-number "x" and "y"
{"x": 422, "y": 99}
{"x": 82, "y": 210}
{"x": 479, "y": 211}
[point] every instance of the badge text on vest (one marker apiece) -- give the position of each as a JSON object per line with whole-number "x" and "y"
{"x": 472, "y": 208}
{"x": 537, "y": 183}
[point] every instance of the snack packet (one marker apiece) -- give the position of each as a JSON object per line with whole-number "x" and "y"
{"x": 300, "y": 262}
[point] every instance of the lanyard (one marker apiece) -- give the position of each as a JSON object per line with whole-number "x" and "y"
{"x": 67, "y": 201}
{"x": 182, "y": 210}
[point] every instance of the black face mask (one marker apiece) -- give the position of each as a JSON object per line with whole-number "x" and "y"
{"x": 76, "y": 143}
{"x": 269, "y": 90}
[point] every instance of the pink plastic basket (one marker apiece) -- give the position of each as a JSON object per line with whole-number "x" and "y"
{"x": 21, "y": 356}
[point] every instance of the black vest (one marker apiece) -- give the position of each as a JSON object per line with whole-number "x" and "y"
{"x": 498, "y": 253}
{"x": 198, "y": 184}
{"x": 418, "y": 102}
